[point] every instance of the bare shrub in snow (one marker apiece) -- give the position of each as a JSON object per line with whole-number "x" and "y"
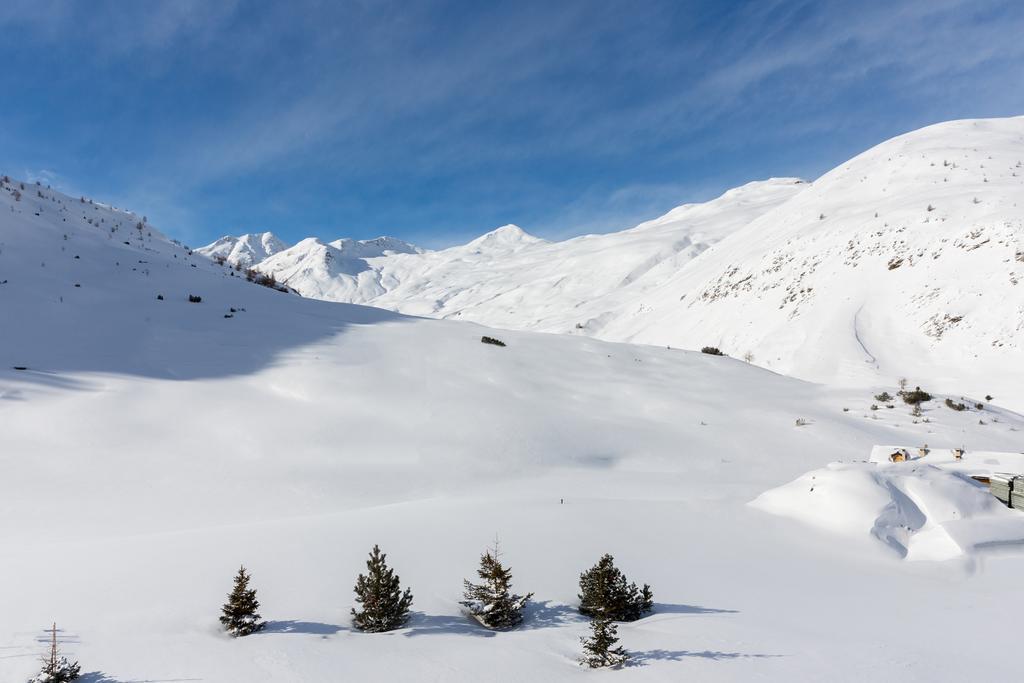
{"x": 916, "y": 397}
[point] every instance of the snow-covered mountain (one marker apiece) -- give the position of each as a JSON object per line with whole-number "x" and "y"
{"x": 508, "y": 278}
{"x": 334, "y": 271}
{"x": 378, "y": 246}
{"x": 244, "y": 250}
{"x": 906, "y": 260}
{"x": 164, "y": 420}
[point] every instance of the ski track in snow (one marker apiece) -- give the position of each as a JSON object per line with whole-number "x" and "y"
{"x": 856, "y": 335}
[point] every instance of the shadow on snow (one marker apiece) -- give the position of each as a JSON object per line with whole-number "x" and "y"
{"x": 308, "y": 627}
{"x": 645, "y": 657}
{"x": 669, "y": 608}
{"x": 100, "y": 677}
{"x": 421, "y": 624}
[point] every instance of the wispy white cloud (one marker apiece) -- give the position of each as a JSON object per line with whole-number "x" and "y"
{"x": 529, "y": 94}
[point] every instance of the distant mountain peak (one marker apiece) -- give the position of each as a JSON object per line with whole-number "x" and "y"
{"x": 245, "y": 250}
{"x": 509, "y": 234}
{"x": 372, "y": 248}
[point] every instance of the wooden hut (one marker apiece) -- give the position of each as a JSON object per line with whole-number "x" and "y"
{"x": 898, "y": 456}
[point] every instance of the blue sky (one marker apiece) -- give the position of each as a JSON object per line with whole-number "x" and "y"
{"x": 437, "y": 121}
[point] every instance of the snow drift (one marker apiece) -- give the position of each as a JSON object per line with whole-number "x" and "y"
{"x": 920, "y": 510}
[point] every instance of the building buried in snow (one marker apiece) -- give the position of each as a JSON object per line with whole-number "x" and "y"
{"x": 1001, "y": 472}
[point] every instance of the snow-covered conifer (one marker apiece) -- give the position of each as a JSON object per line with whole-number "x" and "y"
{"x": 605, "y": 591}
{"x": 491, "y": 602}
{"x": 599, "y": 649}
{"x": 384, "y": 606}
{"x": 56, "y": 667}
{"x": 239, "y": 614}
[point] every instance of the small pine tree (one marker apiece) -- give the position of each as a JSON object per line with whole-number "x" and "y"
{"x": 599, "y": 649}
{"x": 56, "y": 667}
{"x": 605, "y": 591}
{"x": 491, "y": 602}
{"x": 385, "y": 606}
{"x": 239, "y": 614}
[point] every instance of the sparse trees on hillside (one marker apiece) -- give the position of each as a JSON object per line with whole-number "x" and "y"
{"x": 264, "y": 279}
{"x": 950, "y": 403}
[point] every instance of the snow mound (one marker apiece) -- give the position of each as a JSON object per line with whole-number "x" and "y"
{"x": 922, "y": 511}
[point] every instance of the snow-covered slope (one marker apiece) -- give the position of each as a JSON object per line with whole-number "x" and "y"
{"x": 906, "y": 260}
{"x": 378, "y": 246}
{"x": 151, "y": 444}
{"x": 336, "y": 271}
{"x": 244, "y": 250}
{"x": 508, "y": 278}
